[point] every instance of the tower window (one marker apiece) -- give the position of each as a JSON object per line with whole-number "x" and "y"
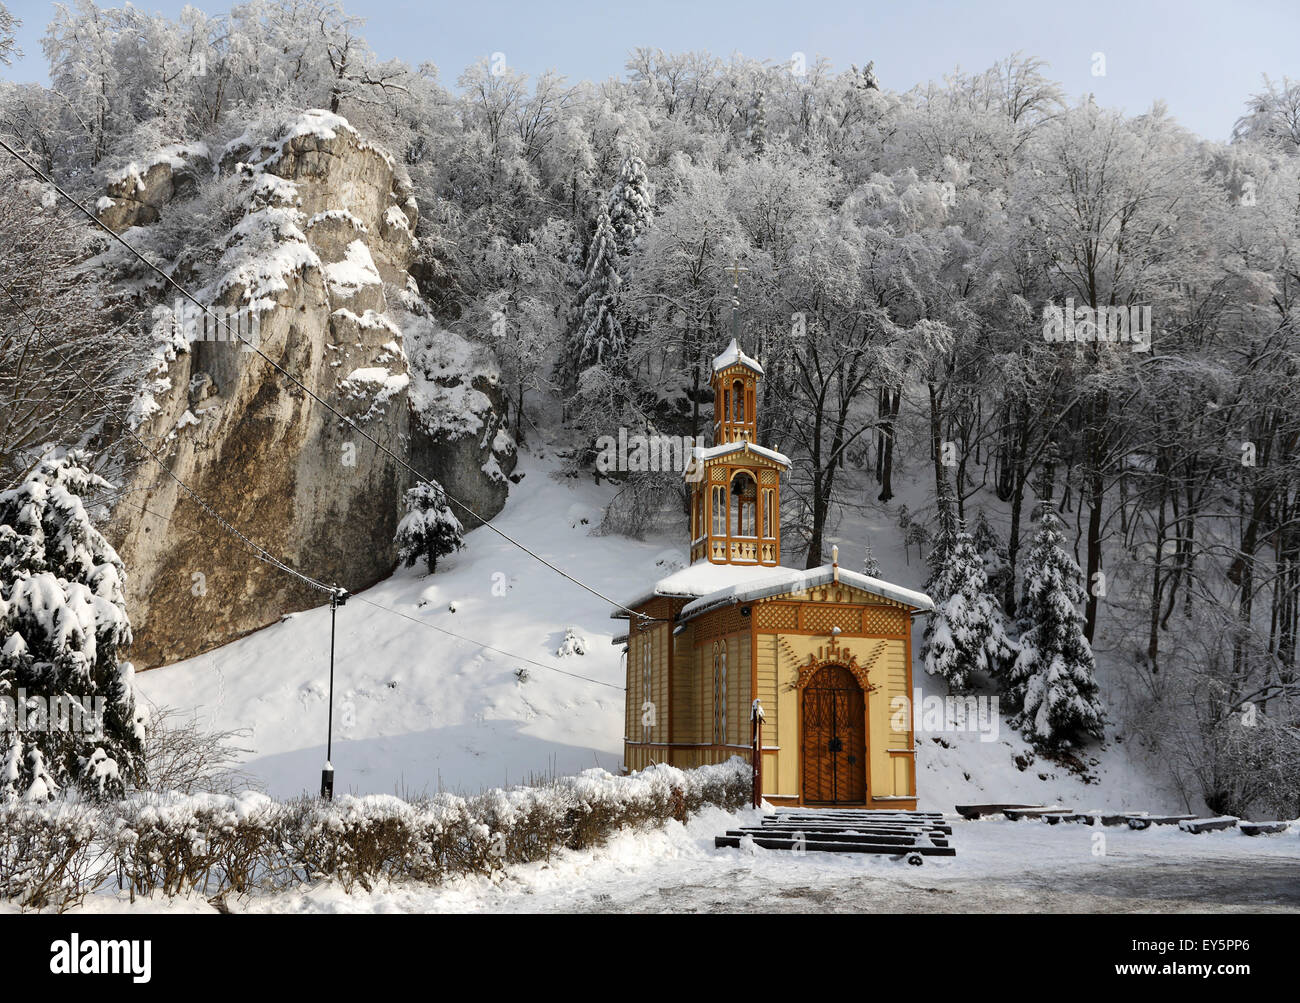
{"x": 744, "y": 505}
{"x": 738, "y": 396}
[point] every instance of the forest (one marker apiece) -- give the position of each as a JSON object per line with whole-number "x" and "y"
{"x": 1073, "y": 331}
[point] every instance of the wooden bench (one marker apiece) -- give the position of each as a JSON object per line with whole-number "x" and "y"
{"x": 1016, "y": 814}
{"x": 1200, "y": 825}
{"x": 1147, "y": 821}
{"x": 1262, "y": 828}
{"x": 974, "y": 812}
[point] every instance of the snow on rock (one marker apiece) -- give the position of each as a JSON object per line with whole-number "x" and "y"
{"x": 356, "y": 271}
{"x": 314, "y": 199}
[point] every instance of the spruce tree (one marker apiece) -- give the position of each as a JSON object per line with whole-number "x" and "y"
{"x": 599, "y": 337}
{"x": 429, "y": 529}
{"x": 1052, "y": 683}
{"x": 870, "y": 566}
{"x": 997, "y": 564}
{"x": 68, "y": 699}
{"x": 631, "y": 205}
{"x": 966, "y": 633}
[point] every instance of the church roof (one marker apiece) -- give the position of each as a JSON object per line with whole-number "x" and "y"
{"x": 732, "y": 355}
{"x": 709, "y": 586}
{"x": 701, "y": 453}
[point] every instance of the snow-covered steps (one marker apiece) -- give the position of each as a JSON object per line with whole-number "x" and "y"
{"x": 909, "y": 835}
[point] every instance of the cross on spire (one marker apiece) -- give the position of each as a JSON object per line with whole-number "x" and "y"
{"x": 735, "y": 269}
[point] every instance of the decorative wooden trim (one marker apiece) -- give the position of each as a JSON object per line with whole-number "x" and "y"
{"x": 834, "y": 654}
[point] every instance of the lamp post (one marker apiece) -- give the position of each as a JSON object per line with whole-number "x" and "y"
{"x": 338, "y": 597}
{"x": 756, "y": 718}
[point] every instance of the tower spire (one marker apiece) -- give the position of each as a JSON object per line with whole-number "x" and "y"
{"x": 736, "y": 269}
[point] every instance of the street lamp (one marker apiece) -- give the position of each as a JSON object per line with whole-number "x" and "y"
{"x": 338, "y": 597}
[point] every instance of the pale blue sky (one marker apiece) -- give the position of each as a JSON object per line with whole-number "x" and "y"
{"x": 1203, "y": 57}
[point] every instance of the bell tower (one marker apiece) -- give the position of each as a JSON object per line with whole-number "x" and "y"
{"x": 736, "y": 483}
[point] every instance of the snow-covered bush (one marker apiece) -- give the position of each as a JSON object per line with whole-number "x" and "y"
{"x": 353, "y": 840}
{"x": 182, "y": 844}
{"x": 53, "y": 854}
{"x": 50, "y": 857}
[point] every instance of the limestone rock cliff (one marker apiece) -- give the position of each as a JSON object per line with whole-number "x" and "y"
{"x": 315, "y": 274}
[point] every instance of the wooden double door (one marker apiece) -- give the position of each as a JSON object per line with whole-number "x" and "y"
{"x": 834, "y": 753}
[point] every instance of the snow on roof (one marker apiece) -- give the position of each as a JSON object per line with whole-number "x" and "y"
{"x": 701, "y": 453}
{"x": 709, "y": 586}
{"x": 732, "y": 355}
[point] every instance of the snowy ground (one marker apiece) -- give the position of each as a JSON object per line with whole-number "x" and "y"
{"x": 999, "y": 867}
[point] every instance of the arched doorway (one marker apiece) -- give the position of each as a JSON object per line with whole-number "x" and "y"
{"x": 834, "y": 754}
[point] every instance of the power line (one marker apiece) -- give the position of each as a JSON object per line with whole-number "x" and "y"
{"x": 387, "y": 609}
{"x": 642, "y": 617}
{"x": 488, "y": 647}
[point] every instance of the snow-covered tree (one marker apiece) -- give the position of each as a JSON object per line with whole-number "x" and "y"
{"x": 966, "y": 634}
{"x": 757, "y": 128}
{"x": 992, "y": 552}
{"x": 1052, "y": 683}
{"x": 429, "y": 529}
{"x": 631, "y": 203}
{"x": 1274, "y": 116}
{"x": 8, "y": 25}
{"x": 599, "y": 338}
{"x": 63, "y": 623}
{"x": 870, "y": 566}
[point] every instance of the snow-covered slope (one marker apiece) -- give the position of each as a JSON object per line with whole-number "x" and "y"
{"x": 417, "y": 710}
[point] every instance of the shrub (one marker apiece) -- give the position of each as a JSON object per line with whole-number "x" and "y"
{"x": 52, "y": 855}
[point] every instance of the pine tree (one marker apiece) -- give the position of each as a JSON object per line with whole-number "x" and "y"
{"x": 870, "y": 566}
{"x": 1052, "y": 683}
{"x": 63, "y": 622}
{"x": 599, "y": 338}
{"x": 429, "y": 529}
{"x": 996, "y": 563}
{"x": 966, "y": 634}
{"x": 631, "y": 205}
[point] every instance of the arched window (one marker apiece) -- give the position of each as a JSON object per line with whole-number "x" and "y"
{"x": 738, "y": 401}
{"x": 744, "y": 505}
{"x": 769, "y": 531}
{"x": 719, "y": 511}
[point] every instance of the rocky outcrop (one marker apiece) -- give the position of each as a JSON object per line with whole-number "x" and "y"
{"x": 458, "y": 436}
{"x": 315, "y": 275}
{"x": 137, "y": 193}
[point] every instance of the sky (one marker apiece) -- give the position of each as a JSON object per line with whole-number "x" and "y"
{"x": 1202, "y": 58}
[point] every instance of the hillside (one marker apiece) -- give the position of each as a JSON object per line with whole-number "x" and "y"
{"x": 417, "y": 710}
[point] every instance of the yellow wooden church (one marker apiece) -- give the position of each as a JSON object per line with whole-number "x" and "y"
{"x": 825, "y": 651}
